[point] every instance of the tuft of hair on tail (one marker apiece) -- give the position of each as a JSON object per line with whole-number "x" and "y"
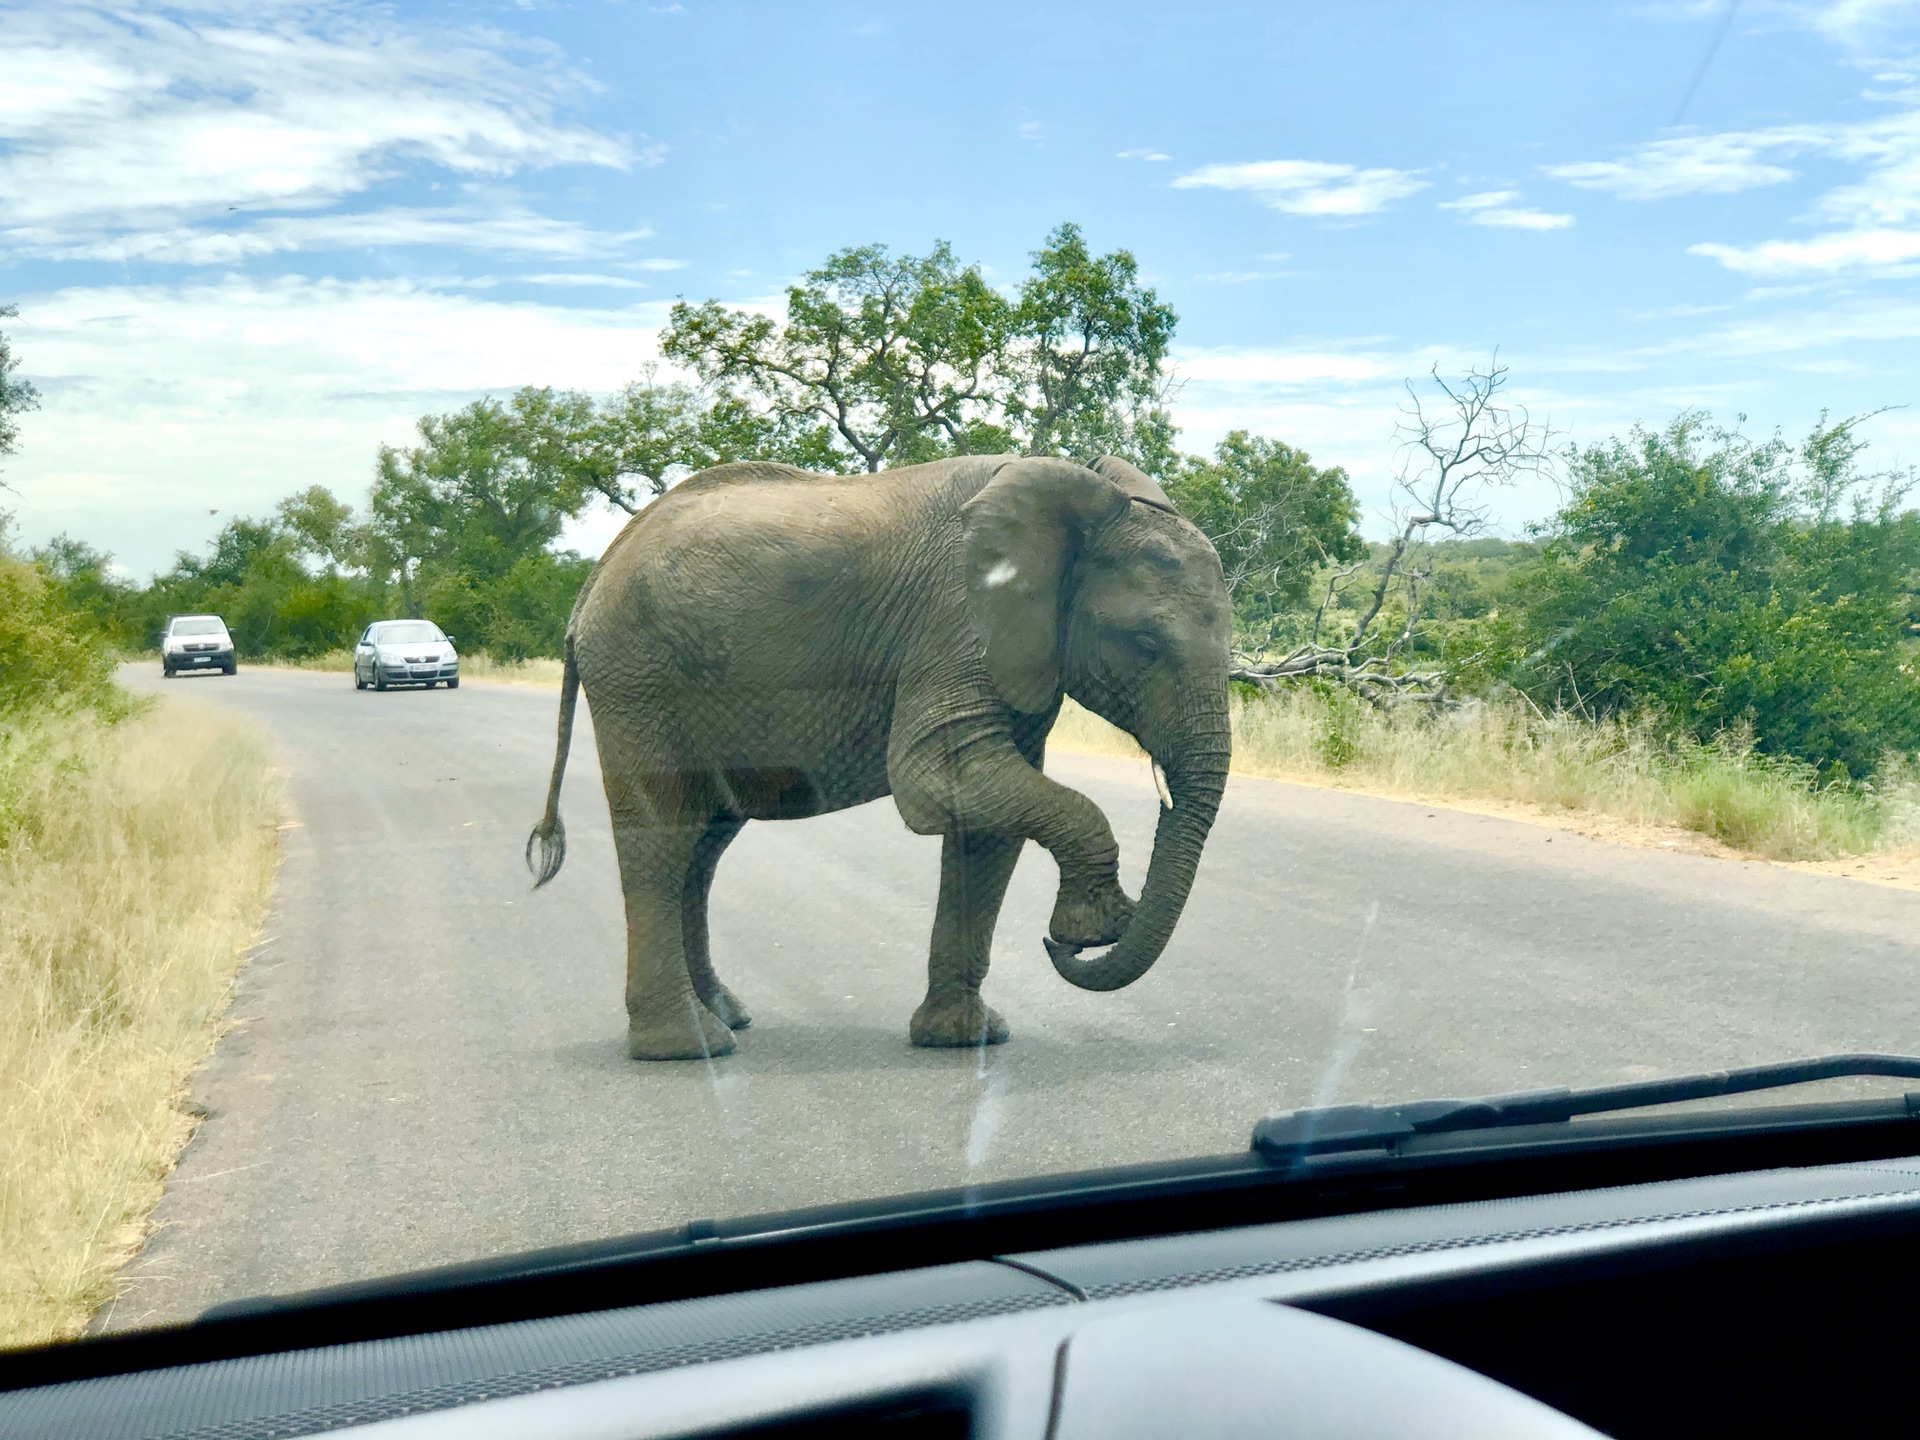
{"x": 550, "y": 835}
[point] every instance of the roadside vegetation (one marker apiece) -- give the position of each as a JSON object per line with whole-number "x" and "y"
{"x": 1713, "y": 629}
{"x": 533, "y": 670}
{"x": 136, "y": 846}
{"x": 1555, "y": 763}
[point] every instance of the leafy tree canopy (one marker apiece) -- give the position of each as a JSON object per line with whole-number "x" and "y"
{"x": 1275, "y": 518}
{"x": 887, "y": 359}
{"x": 16, "y": 395}
{"x": 1732, "y": 584}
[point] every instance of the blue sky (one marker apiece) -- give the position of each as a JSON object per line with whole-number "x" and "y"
{"x": 251, "y": 242}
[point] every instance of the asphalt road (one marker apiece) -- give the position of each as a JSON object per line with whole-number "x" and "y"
{"x": 429, "y": 1063}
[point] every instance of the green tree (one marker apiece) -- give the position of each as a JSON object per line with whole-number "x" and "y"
{"x": 886, "y": 356}
{"x": 1087, "y": 357}
{"x": 83, "y": 580}
{"x": 1276, "y": 519}
{"x": 1731, "y": 585}
{"x": 888, "y": 359}
{"x": 16, "y": 395}
{"x": 633, "y": 446}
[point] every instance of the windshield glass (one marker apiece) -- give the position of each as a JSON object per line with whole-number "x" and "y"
{"x": 1034, "y": 584}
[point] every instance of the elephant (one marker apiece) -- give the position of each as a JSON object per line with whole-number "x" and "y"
{"x": 761, "y": 643}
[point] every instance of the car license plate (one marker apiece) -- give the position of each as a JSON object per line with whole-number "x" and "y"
{"x": 426, "y": 669}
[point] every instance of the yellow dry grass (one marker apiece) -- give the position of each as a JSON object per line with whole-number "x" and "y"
{"x": 134, "y": 866}
{"x": 1615, "y": 781}
{"x": 477, "y": 666}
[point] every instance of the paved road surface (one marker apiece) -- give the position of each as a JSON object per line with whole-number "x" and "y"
{"x": 429, "y": 1064}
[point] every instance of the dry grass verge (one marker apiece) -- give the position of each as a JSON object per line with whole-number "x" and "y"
{"x": 134, "y": 866}
{"x": 1617, "y": 781}
{"x": 472, "y": 667}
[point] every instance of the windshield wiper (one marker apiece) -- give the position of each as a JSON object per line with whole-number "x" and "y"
{"x": 1291, "y": 1134}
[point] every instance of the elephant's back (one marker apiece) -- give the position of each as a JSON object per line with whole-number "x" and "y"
{"x": 785, "y": 535}
{"x": 765, "y": 612}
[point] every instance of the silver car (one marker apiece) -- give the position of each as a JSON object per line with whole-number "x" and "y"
{"x": 196, "y": 642}
{"x": 405, "y": 652}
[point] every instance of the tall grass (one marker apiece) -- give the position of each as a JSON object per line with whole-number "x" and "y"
{"x": 1506, "y": 751}
{"x": 476, "y": 666}
{"x": 134, "y": 865}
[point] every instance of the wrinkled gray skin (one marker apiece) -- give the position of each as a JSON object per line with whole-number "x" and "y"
{"x": 764, "y": 644}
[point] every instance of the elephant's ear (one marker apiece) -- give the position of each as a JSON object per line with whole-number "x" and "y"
{"x": 1023, "y": 533}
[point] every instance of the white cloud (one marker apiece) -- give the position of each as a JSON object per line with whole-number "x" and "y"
{"x": 605, "y": 282}
{"x": 1873, "y": 222}
{"x": 117, "y": 119}
{"x": 1152, "y": 156}
{"x": 160, "y": 402}
{"x": 1690, "y": 165}
{"x": 1496, "y": 207}
{"x": 1484, "y": 200}
{"x": 513, "y": 232}
{"x": 1854, "y": 22}
{"x": 1522, "y": 219}
{"x": 1844, "y": 250}
{"x": 1279, "y": 367}
{"x": 1309, "y": 187}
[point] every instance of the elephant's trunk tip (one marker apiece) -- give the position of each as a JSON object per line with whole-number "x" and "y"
{"x": 551, "y": 836}
{"x": 1075, "y": 971}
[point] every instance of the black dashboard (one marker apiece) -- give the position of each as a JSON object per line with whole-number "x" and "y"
{"x": 1766, "y": 1301}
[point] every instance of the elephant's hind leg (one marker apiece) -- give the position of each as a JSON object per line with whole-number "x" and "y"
{"x": 666, "y": 1019}
{"x": 974, "y": 871}
{"x": 706, "y": 857}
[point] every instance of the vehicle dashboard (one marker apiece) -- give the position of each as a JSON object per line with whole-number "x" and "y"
{"x": 1753, "y": 1301}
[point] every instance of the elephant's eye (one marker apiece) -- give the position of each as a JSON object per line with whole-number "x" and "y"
{"x": 1145, "y": 644}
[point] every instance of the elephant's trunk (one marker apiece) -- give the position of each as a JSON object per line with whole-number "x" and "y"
{"x": 1195, "y": 777}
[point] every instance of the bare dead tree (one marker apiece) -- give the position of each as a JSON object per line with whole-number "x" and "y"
{"x": 1453, "y": 456}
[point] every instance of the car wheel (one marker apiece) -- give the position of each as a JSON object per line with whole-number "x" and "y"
{"x": 432, "y": 683}
{"x": 379, "y": 680}
{"x": 454, "y": 684}
{"x": 167, "y": 671}
{"x": 230, "y": 669}
{"x": 358, "y": 683}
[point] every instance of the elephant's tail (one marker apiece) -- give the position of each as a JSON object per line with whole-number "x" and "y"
{"x": 550, "y": 834}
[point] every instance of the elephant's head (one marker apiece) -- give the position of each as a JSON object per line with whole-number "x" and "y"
{"x": 1085, "y": 580}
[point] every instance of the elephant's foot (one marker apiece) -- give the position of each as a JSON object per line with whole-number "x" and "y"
{"x": 693, "y": 1033}
{"x": 1083, "y": 919}
{"x": 724, "y": 1003}
{"x": 956, "y": 1017}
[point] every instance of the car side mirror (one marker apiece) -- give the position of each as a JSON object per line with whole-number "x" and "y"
{"x": 449, "y": 639}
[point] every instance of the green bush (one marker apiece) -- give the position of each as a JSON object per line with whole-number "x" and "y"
{"x": 1730, "y": 585}
{"x": 49, "y": 656}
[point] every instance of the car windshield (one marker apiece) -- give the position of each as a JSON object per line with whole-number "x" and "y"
{"x": 1034, "y": 583}
{"x": 407, "y": 632}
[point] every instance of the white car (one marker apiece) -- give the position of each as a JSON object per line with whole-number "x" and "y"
{"x": 405, "y": 652}
{"x": 196, "y": 642}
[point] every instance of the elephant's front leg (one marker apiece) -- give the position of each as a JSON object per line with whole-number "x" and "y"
{"x": 974, "y": 870}
{"x": 666, "y": 1020}
{"x": 988, "y": 787}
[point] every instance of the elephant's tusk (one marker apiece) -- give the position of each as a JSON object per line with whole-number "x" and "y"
{"x": 1160, "y": 784}
{"x": 1059, "y": 950}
